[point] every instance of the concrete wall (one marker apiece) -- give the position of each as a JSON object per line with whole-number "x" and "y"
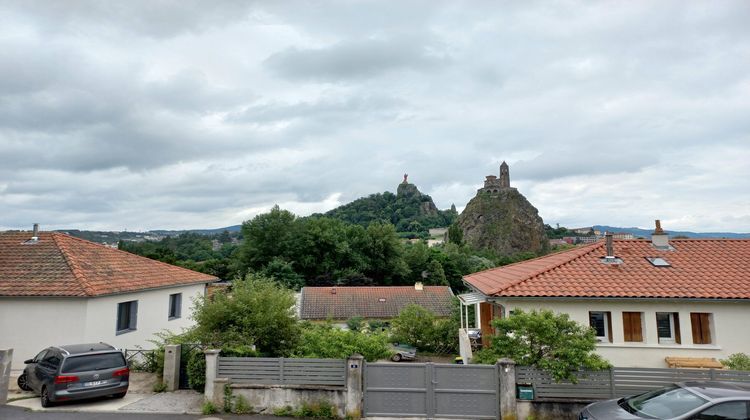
{"x": 153, "y": 316}
{"x": 28, "y": 325}
{"x": 549, "y": 410}
{"x": 729, "y": 330}
{"x": 269, "y": 397}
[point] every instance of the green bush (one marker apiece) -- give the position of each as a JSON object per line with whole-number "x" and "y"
{"x": 355, "y": 323}
{"x": 208, "y": 408}
{"x": 543, "y": 339}
{"x": 241, "y": 406}
{"x": 737, "y": 361}
{"x": 328, "y": 342}
{"x": 420, "y": 328}
{"x": 160, "y": 387}
{"x": 285, "y": 411}
{"x": 317, "y": 410}
{"x": 196, "y": 371}
{"x": 227, "y": 398}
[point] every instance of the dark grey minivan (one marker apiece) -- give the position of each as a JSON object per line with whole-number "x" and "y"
{"x": 76, "y": 371}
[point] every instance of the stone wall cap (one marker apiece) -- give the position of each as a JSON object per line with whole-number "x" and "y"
{"x": 356, "y": 356}
{"x": 506, "y": 361}
{"x": 212, "y": 351}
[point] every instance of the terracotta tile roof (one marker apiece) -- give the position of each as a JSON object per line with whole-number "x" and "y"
{"x": 61, "y": 265}
{"x": 699, "y": 268}
{"x": 321, "y": 303}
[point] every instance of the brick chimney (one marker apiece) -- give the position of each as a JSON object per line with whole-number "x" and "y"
{"x": 659, "y": 238}
{"x": 610, "y": 245}
{"x": 35, "y": 235}
{"x": 418, "y": 286}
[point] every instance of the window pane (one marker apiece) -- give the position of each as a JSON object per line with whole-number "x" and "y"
{"x": 123, "y": 316}
{"x": 93, "y": 362}
{"x": 596, "y": 320}
{"x": 731, "y": 410}
{"x": 663, "y": 325}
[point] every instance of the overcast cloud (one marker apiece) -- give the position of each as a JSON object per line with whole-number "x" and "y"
{"x": 190, "y": 114}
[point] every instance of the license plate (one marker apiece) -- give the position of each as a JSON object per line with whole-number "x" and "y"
{"x": 94, "y": 383}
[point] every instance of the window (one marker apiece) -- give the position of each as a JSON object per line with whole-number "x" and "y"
{"x": 127, "y": 316}
{"x": 701, "y": 326}
{"x": 175, "y": 306}
{"x": 735, "y": 410}
{"x": 601, "y": 322}
{"x": 632, "y": 326}
{"x": 51, "y": 360}
{"x": 658, "y": 262}
{"x": 668, "y": 327}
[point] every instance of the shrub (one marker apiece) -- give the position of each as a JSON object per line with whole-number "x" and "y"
{"x": 208, "y": 408}
{"x": 355, "y": 323}
{"x": 196, "y": 371}
{"x": 737, "y": 361}
{"x": 227, "y": 398}
{"x": 160, "y": 387}
{"x": 328, "y": 342}
{"x": 241, "y": 406}
{"x": 285, "y": 411}
{"x": 543, "y": 339}
{"x": 317, "y": 410}
{"x": 419, "y": 327}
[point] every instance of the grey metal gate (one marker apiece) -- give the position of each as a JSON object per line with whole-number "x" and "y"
{"x": 431, "y": 390}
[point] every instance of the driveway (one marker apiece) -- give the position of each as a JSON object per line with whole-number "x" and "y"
{"x": 18, "y": 413}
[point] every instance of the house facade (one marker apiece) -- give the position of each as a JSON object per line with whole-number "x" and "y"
{"x": 338, "y": 304}
{"x": 57, "y": 289}
{"x": 646, "y": 300}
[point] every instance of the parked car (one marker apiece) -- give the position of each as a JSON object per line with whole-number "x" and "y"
{"x": 683, "y": 400}
{"x": 74, "y": 372}
{"x": 403, "y": 352}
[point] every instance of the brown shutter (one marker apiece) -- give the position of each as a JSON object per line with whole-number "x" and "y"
{"x": 609, "y": 325}
{"x": 631, "y": 322}
{"x": 705, "y": 329}
{"x": 677, "y": 337}
{"x": 637, "y": 331}
{"x": 695, "y": 324}
{"x": 626, "y": 330}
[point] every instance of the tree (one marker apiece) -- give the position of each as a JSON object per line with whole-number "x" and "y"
{"x": 267, "y": 236}
{"x": 283, "y": 272}
{"x": 257, "y": 310}
{"x": 419, "y": 327}
{"x": 455, "y": 234}
{"x": 543, "y": 339}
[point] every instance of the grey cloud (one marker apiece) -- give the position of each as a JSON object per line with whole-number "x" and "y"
{"x": 356, "y": 59}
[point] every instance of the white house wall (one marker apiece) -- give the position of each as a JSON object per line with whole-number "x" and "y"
{"x": 28, "y": 324}
{"x": 153, "y": 316}
{"x": 729, "y": 328}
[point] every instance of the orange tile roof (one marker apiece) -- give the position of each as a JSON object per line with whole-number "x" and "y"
{"x": 365, "y": 301}
{"x": 700, "y": 268}
{"x": 61, "y": 265}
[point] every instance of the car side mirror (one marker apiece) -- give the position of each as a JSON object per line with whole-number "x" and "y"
{"x": 27, "y": 361}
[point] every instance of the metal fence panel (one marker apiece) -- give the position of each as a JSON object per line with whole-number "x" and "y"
{"x": 617, "y": 382}
{"x": 282, "y": 371}
{"x": 431, "y": 390}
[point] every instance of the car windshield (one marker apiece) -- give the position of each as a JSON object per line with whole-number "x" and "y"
{"x": 93, "y": 362}
{"x": 664, "y": 403}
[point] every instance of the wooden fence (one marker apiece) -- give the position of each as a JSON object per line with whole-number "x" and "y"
{"x": 283, "y": 371}
{"x": 617, "y": 382}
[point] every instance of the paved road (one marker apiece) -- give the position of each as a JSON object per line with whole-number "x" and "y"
{"x": 17, "y": 413}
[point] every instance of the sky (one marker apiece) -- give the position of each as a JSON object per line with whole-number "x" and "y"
{"x": 182, "y": 114}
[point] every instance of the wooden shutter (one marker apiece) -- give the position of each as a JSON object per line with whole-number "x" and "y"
{"x": 609, "y": 325}
{"x": 631, "y": 322}
{"x": 701, "y": 328}
{"x": 677, "y": 338}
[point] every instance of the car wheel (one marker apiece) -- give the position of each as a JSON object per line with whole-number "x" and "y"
{"x": 45, "y": 398}
{"x": 396, "y": 357}
{"x": 120, "y": 395}
{"x": 23, "y": 382}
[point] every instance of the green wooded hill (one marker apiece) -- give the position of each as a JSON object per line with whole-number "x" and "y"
{"x": 408, "y": 210}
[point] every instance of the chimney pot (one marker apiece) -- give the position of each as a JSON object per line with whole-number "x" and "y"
{"x": 418, "y": 286}
{"x": 35, "y": 235}
{"x": 660, "y": 238}
{"x": 333, "y": 290}
{"x": 610, "y": 245}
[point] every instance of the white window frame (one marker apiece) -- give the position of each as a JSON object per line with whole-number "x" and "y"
{"x": 605, "y": 317}
{"x": 666, "y": 340}
{"x": 178, "y": 306}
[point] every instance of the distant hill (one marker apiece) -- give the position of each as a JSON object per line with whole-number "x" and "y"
{"x": 234, "y": 228}
{"x": 646, "y": 233}
{"x": 409, "y": 210}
